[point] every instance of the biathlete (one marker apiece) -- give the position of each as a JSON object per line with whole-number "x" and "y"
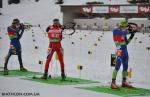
{"x": 121, "y": 42}
{"x": 55, "y": 36}
{"x": 15, "y": 32}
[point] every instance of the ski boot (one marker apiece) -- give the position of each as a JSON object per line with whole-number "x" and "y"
{"x": 23, "y": 69}
{"x": 126, "y": 84}
{"x": 6, "y": 72}
{"x": 44, "y": 76}
{"x": 113, "y": 85}
{"x": 63, "y": 76}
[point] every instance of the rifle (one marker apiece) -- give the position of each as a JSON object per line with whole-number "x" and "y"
{"x": 69, "y": 28}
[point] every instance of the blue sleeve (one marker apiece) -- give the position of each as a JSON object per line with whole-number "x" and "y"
{"x": 117, "y": 32}
{"x": 126, "y": 32}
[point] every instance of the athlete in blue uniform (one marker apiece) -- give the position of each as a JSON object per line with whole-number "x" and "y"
{"x": 15, "y": 32}
{"x": 121, "y": 42}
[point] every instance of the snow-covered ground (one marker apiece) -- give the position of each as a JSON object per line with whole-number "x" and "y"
{"x": 95, "y": 66}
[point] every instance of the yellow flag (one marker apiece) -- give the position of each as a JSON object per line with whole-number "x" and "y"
{"x": 78, "y": 67}
{"x": 130, "y": 73}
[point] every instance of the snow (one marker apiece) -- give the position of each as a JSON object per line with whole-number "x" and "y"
{"x": 95, "y": 66}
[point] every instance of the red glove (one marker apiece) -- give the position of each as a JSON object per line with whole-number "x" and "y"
{"x": 119, "y": 52}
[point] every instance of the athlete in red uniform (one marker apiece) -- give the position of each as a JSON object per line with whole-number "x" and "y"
{"x": 55, "y": 37}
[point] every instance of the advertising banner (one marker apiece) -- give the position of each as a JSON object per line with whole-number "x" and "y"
{"x": 144, "y": 9}
{"x": 114, "y": 9}
{"x": 86, "y": 9}
{"x": 128, "y": 9}
{"x": 100, "y": 9}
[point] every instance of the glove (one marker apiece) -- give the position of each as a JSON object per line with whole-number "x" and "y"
{"x": 130, "y": 38}
{"x": 119, "y": 53}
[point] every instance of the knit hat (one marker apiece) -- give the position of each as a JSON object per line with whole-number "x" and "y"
{"x": 123, "y": 23}
{"x": 56, "y": 20}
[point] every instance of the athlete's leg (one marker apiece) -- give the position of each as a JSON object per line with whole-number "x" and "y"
{"x": 60, "y": 57}
{"x": 117, "y": 67}
{"x": 62, "y": 65}
{"x": 20, "y": 59}
{"x": 125, "y": 73}
{"x": 7, "y": 59}
{"x": 6, "y": 62}
{"x": 49, "y": 57}
{"x": 114, "y": 75}
{"x": 125, "y": 68}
